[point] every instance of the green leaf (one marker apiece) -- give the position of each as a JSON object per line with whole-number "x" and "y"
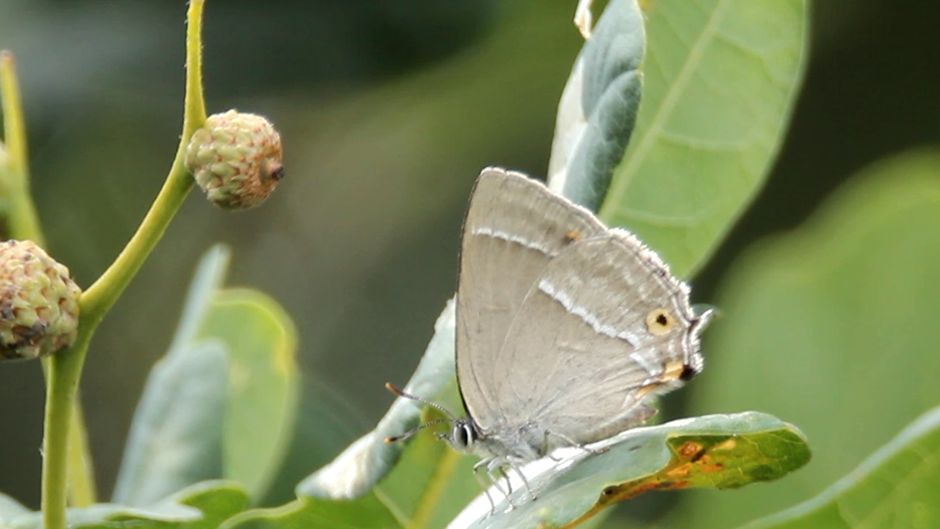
{"x": 262, "y": 383}
{"x": 222, "y": 401}
{"x": 598, "y": 108}
{"x": 201, "y": 506}
{"x": 209, "y": 276}
{"x": 897, "y": 486}
{"x": 364, "y": 513}
{"x": 720, "y": 77}
{"x": 715, "y": 451}
{"x": 724, "y": 451}
{"x": 175, "y": 437}
{"x": 833, "y": 327}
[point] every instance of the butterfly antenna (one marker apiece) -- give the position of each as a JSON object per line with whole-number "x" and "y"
{"x": 398, "y": 391}
{"x": 409, "y": 433}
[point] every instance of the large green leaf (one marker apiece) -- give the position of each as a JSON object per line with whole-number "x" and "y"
{"x": 176, "y": 435}
{"x": 898, "y": 486}
{"x": 833, "y": 327}
{"x": 716, "y": 451}
{"x": 720, "y": 77}
{"x": 262, "y": 383}
{"x": 202, "y": 506}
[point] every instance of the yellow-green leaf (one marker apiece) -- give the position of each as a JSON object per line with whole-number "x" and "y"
{"x": 720, "y": 78}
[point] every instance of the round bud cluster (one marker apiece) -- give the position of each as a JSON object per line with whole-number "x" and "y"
{"x": 236, "y": 159}
{"x": 38, "y": 302}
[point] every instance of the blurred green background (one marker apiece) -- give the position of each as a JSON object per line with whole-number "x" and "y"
{"x": 388, "y": 111}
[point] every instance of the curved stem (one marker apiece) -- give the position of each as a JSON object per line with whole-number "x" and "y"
{"x": 24, "y": 223}
{"x": 65, "y": 367}
{"x": 101, "y": 295}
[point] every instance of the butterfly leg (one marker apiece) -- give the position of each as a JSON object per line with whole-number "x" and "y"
{"x": 500, "y": 472}
{"x": 515, "y": 466}
{"x": 483, "y": 484}
{"x": 496, "y": 472}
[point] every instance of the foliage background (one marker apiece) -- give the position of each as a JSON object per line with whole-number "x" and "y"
{"x": 388, "y": 111}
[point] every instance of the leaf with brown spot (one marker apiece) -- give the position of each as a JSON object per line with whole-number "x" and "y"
{"x": 715, "y": 451}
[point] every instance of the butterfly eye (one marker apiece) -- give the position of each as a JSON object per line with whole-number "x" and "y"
{"x": 462, "y": 436}
{"x": 660, "y": 321}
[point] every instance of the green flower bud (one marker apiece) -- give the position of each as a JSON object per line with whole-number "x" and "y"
{"x": 236, "y": 159}
{"x": 38, "y": 302}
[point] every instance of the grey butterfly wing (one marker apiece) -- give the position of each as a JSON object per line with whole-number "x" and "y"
{"x": 601, "y": 328}
{"x": 514, "y": 227}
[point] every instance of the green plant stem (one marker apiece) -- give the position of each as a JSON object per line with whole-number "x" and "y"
{"x": 21, "y": 213}
{"x": 13, "y": 127}
{"x": 102, "y": 295}
{"x": 65, "y": 368}
{"x": 82, "y": 489}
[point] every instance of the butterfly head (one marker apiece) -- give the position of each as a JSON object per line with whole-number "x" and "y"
{"x": 462, "y": 435}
